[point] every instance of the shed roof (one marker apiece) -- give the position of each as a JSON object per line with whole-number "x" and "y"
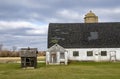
{"x": 28, "y": 52}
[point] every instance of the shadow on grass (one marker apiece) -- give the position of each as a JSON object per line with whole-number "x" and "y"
{"x": 88, "y": 63}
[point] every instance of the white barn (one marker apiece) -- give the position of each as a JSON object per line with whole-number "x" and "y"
{"x": 89, "y": 41}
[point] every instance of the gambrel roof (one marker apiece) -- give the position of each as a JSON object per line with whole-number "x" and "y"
{"x": 84, "y": 35}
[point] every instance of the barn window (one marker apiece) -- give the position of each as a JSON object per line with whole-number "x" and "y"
{"x": 75, "y": 53}
{"x": 89, "y": 53}
{"x": 62, "y": 55}
{"x": 93, "y": 36}
{"x": 103, "y": 53}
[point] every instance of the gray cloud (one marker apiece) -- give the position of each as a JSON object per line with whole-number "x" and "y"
{"x": 42, "y": 9}
{"x": 22, "y": 21}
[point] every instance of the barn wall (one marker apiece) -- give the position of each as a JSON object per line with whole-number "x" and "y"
{"x": 96, "y": 54}
{"x": 65, "y": 60}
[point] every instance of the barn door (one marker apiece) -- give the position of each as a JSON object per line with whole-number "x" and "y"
{"x": 53, "y": 58}
{"x": 112, "y": 55}
{"x": 97, "y": 58}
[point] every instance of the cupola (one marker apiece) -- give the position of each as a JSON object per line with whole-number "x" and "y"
{"x": 91, "y": 18}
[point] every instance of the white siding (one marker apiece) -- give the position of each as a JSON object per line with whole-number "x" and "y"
{"x": 96, "y": 54}
{"x": 47, "y": 57}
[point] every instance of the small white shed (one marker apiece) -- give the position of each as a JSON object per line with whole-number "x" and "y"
{"x": 56, "y": 55}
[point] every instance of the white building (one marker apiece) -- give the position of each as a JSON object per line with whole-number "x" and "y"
{"x": 89, "y": 41}
{"x": 56, "y": 55}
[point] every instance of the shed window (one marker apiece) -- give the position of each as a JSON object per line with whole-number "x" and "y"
{"x": 75, "y": 53}
{"x": 89, "y": 53}
{"x": 103, "y": 53}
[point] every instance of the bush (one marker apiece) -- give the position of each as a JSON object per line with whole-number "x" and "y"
{"x": 7, "y": 53}
{"x": 41, "y": 53}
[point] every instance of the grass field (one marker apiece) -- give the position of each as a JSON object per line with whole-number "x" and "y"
{"x": 75, "y": 70}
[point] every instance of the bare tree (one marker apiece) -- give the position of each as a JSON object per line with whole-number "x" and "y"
{"x": 1, "y": 47}
{"x": 14, "y": 48}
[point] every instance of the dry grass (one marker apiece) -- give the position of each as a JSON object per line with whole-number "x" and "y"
{"x": 17, "y": 59}
{"x": 9, "y": 59}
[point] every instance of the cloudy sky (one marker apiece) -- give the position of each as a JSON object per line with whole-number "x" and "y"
{"x": 24, "y": 23}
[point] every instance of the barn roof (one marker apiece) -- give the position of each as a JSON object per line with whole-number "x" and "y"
{"x": 84, "y": 35}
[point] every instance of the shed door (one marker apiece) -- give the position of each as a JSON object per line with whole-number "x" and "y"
{"x": 30, "y": 61}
